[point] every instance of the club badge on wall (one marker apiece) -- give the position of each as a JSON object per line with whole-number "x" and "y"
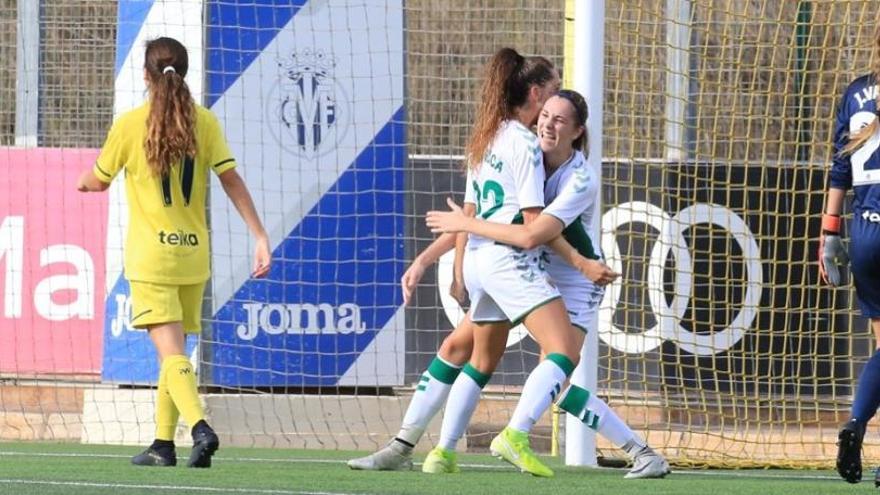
{"x": 311, "y": 105}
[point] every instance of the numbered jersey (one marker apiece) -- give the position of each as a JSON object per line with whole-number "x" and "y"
{"x": 167, "y": 239}
{"x": 861, "y": 169}
{"x": 509, "y": 179}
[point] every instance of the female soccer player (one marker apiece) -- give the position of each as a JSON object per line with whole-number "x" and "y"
{"x": 857, "y": 165}
{"x": 562, "y": 131}
{"x": 505, "y": 168}
{"x": 572, "y": 191}
{"x": 167, "y": 147}
{"x": 505, "y": 177}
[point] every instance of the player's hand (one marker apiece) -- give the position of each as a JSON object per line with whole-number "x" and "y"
{"x": 87, "y": 182}
{"x": 458, "y": 291}
{"x": 832, "y": 254}
{"x": 451, "y": 221}
{"x": 262, "y": 258}
{"x": 598, "y": 272}
{"x": 410, "y": 280}
{"x": 81, "y": 184}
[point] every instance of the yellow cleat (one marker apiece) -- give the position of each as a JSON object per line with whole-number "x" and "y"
{"x": 513, "y": 446}
{"x": 440, "y": 461}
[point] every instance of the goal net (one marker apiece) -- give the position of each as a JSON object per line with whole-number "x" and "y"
{"x": 720, "y": 340}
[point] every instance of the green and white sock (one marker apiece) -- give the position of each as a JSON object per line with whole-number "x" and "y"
{"x": 463, "y": 400}
{"x": 541, "y": 387}
{"x": 431, "y": 393}
{"x": 595, "y": 413}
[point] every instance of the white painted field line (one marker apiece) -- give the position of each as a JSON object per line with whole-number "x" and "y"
{"x": 176, "y": 488}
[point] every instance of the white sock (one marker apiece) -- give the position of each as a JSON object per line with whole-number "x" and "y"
{"x": 431, "y": 393}
{"x": 610, "y": 425}
{"x": 463, "y": 400}
{"x": 541, "y": 387}
{"x": 596, "y": 414}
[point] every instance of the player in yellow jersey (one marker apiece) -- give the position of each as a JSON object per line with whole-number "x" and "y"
{"x": 167, "y": 148}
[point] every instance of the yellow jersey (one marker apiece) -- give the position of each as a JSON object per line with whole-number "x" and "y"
{"x": 167, "y": 240}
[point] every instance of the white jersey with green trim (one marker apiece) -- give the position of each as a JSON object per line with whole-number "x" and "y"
{"x": 572, "y": 193}
{"x": 509, "y": 179}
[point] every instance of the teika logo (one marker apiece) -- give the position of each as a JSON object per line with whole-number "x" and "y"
{"x": 179, "y": 238}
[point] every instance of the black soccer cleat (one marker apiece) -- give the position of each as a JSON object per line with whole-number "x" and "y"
{"x": 849, "y": 451}
{"x": 155, "y": 458}
{"x": 205, "y": 443}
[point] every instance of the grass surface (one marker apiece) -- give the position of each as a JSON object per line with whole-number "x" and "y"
{"x": 44, "y": 469}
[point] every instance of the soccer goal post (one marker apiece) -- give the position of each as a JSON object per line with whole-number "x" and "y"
{"x": 583, "y": 72}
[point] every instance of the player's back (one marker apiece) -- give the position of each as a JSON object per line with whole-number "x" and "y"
{"x": 509, "y": 179}
{"x": 859, "y": 170}
{"x": 167, "y": 240}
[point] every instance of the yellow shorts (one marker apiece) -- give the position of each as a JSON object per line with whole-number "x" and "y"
{"x": 152, "y": 304}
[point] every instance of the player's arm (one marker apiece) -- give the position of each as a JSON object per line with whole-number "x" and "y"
{"x": 110, "y": 161}
{"x": 834, "y": 201}
{"x": 832, "y": 253}
{"x": 238, "y": 193}
{"x": 595, "y": 270}
{"x": 88, "y": 182}
{"x": 416, "y": 270}
{"x": 457, "y": 290}
{"x": 220, "y": 161}
{"x": 536, "y": 230}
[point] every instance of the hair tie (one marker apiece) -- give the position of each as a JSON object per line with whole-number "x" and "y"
{"x": 168, "y": 69}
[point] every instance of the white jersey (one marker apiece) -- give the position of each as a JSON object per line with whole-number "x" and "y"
{"x": 509, "y": 179}
{"x": 572, "y": 193}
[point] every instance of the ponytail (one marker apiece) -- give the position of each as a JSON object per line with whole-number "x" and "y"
{"x": 171, "y": 122}
{"x": 506, "y": 83}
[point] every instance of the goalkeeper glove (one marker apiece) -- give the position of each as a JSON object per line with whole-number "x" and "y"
{"x": 832, "y": 254}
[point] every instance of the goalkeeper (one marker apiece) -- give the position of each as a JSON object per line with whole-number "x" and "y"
{"x": 856, "y": 165}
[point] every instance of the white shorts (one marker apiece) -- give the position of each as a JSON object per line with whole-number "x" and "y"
{"x": 581, "y": 296}
{"x": 505, "y": 285}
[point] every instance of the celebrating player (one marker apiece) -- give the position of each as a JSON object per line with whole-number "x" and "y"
{"x": 505, "y": 177}
{"x": 572, "y": 192}
{"x": 562, "y": 132}
{"x": 505, "y": 283}
{"x": 167, "y": 147}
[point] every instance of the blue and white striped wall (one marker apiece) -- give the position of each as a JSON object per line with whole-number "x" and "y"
{"x": 310, "y": 94}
